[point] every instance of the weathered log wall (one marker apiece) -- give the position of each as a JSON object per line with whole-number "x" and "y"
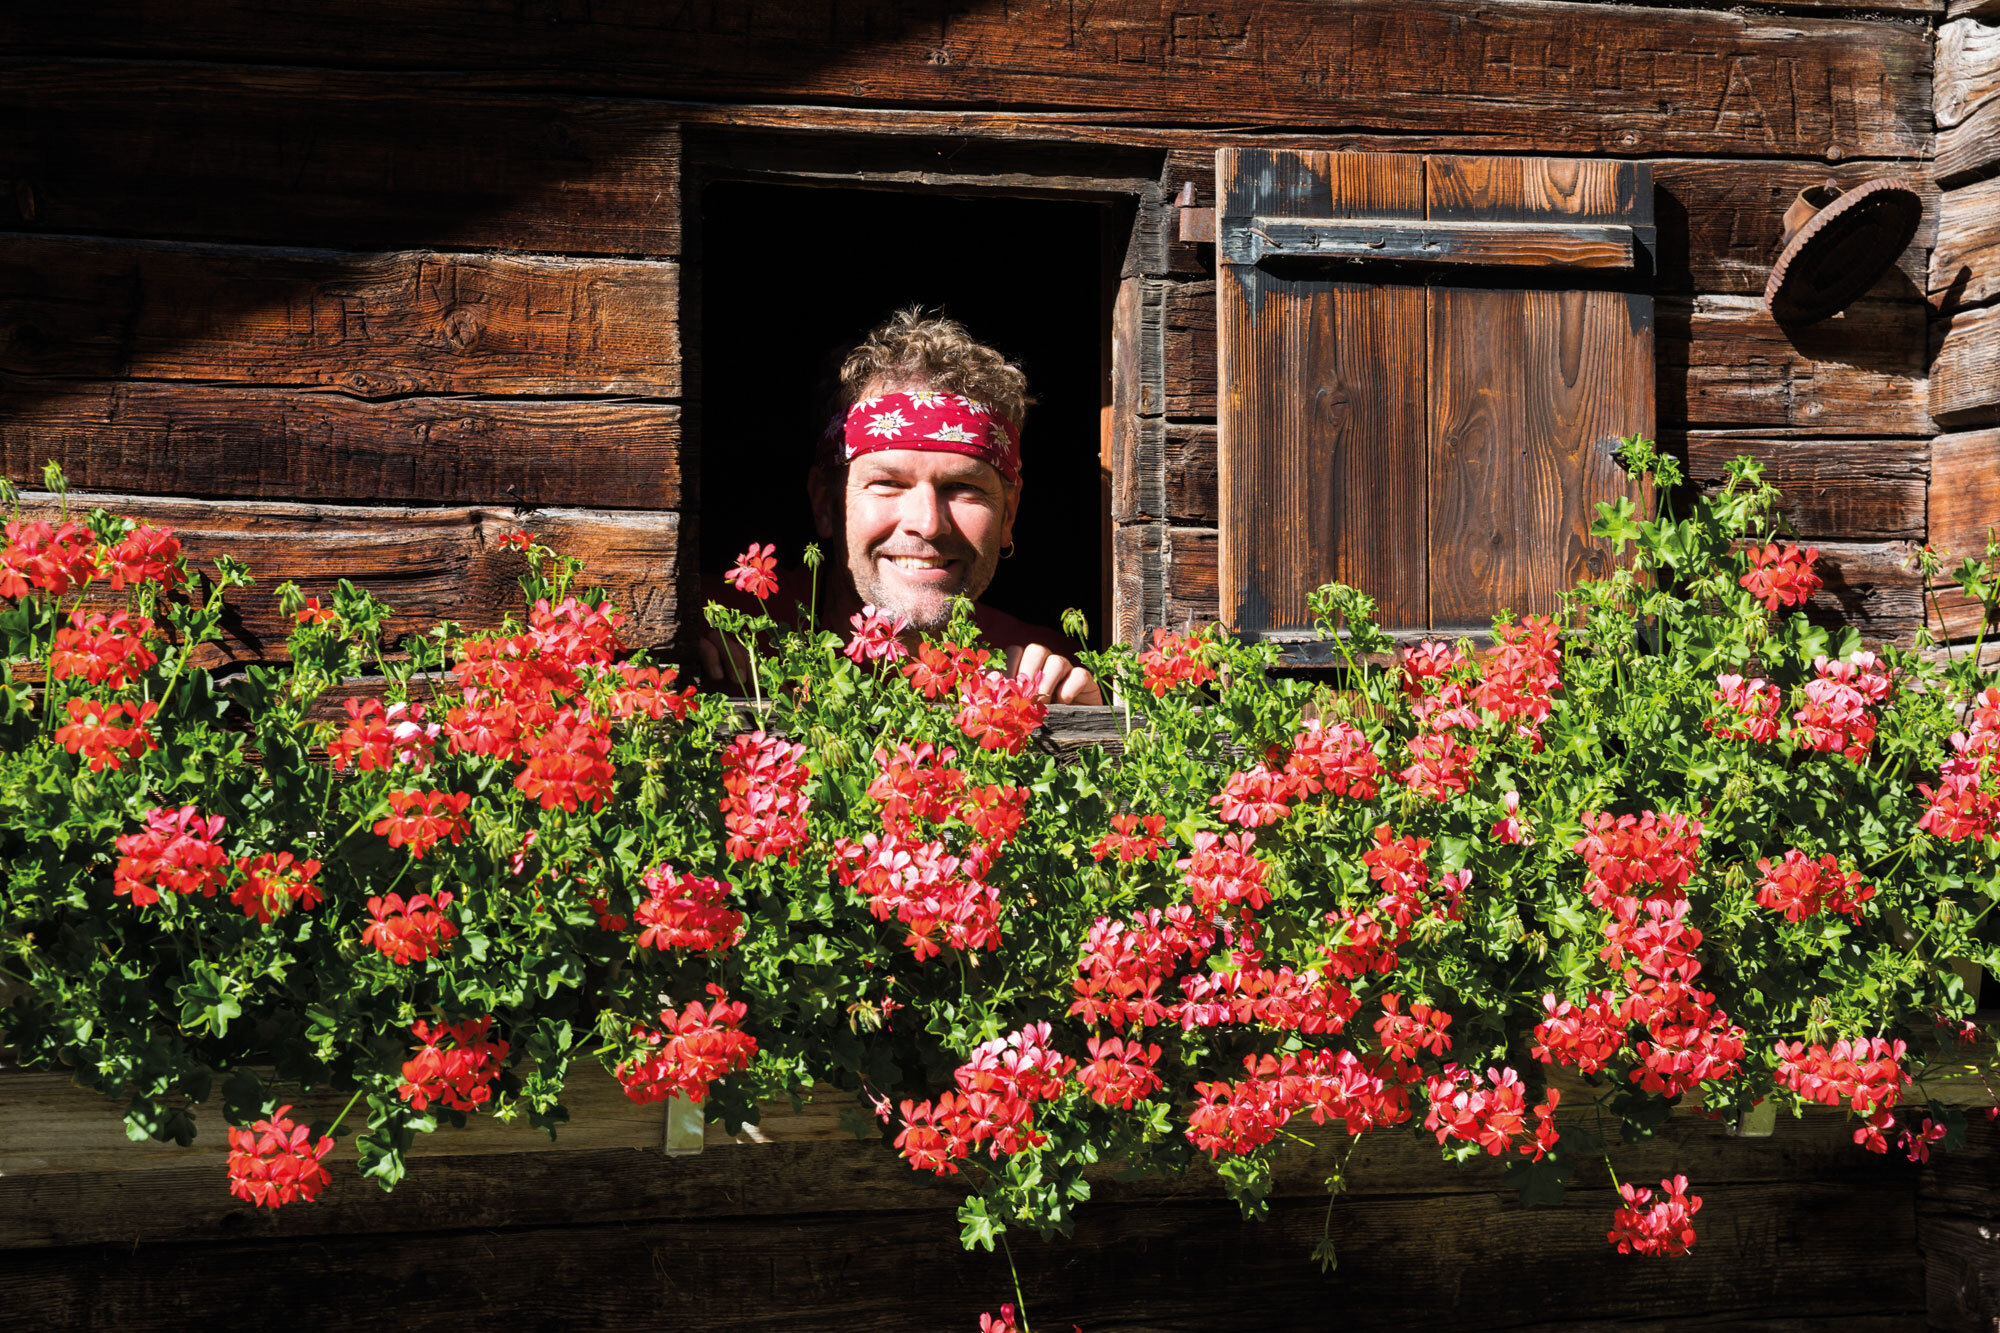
{"x": 255, "y": 257}
{"x": 347, "y": 293}
{"x": 799, "y": 1226}
{"x": 1965, "y": 291}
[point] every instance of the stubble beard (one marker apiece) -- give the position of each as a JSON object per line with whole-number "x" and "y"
{"x": 927, "y": 610}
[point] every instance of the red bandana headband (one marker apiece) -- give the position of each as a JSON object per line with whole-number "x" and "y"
{"x": 937, "y": 422}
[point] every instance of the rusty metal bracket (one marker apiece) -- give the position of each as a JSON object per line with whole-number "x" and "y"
{"x": 1197, "y": 224}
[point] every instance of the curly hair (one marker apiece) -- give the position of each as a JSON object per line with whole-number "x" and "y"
{"x": 937, "y": 352}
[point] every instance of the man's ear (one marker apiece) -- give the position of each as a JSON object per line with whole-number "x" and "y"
{"x": 1008, "y": 514}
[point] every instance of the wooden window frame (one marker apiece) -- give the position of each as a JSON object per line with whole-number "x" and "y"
{"x": 1125, "y": 178}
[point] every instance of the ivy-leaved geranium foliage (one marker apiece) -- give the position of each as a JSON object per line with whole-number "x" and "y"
{"x": 1674, "y": 844}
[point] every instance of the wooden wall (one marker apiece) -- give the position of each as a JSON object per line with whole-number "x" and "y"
{"x": 1965, "y": 292}
{"x": 308, "y": 266}
{"x": 343, "y": 290}
{"x": 802, "y": 1228}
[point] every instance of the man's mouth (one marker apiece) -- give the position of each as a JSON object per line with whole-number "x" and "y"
{"x": 918, "y": 562}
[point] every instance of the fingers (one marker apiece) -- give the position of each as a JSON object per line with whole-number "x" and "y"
{"x": 1012, "y": 659}
{"x": 1033, "y": 663}
{"x": 711, "y": 660}
{"x": 1079, "y": 687}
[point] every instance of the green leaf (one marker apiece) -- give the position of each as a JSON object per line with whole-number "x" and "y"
{"x": 976, "y": 1225}
{"x": 1541, "y": 1183}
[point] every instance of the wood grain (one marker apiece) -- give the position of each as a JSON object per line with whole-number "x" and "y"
{"x": 1797, "y": 1251}
{"x": 373, "y": 325}
{"x": 1646, "y": 79}
{"x": 1872, "y": 587}
{"x": 1970, "y": 147}
{"x": 1966, "y": 73}
{"x": 1965, "y": 374}
{"x": 790, "y": 1163}
{"x": 1965, "y": 266}
{"x": 1724, "y": 362}
{"x": 51, "y": 1127}
{"x": 202, "y": 440}
{"x": 1187, "y": 334}
{"x": 1719, "y": 223}
{"x": 1191, "y": 563}
{"x": 430, "y": 564}
{"x": 1964, "y": 509}
{"x": 1191, "y": 489}
{"x": 313, "y": 157}
{"x": 1834, "y": 488}
{"x": 1528, "y": 392}
{"x": 1319, "y": 444}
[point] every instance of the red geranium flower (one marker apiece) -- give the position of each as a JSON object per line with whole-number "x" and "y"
{"x": 1781, "y": 575}
{"x": 274, "y": 885}
{"x": 177, "y": 853}
{"x": 455, "y": 1068}
{"x": 93, "y": 732}
{"x": 1645, "y": 1227}
{"x": 146, "y": 555}
{"x": 423, "y": 818}
{"x": 273, "y": 1162}
{"x": 686, "y": 912}
{"x": 409, "y": 931}
{"x": 1127, "y": 842}
{"x": 756, "y": 571}
{"x": 41, "y": 555}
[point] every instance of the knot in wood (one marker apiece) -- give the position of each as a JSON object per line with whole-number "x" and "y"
{"x": 460, "y": 329}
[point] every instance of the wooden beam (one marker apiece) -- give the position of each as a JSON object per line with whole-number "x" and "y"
{"x": 315, "y": 157}
{"x": 1521, "y": 75}
{"x": 1965, "y": 266}
{"x": 161, "y": 438}
{"x": 1834, "y": 488}
{"x": 1783, "y": 1255}
{"x": 1969, "y": 148}
{"x": 1967, "y": 73}
{"x": 430, "y": 564}
{"x": 1965, "y": 375}
{"x": 372, "y": 325}
{"x": 1724, "y": 362}
{"x": 1964, "y": 509}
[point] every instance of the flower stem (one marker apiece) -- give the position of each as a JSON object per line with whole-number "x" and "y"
{"x": 1020, "y": 1301}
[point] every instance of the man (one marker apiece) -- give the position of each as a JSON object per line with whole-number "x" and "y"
{"x": 916, "y": 488}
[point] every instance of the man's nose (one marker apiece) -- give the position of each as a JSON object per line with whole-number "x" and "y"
{"x": 924, "y": 514}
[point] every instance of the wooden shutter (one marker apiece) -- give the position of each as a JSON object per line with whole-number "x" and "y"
{"x": 1424, "y": 363}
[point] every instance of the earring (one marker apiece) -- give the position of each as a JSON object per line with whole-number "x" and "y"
{"x": 1007, "y": 551}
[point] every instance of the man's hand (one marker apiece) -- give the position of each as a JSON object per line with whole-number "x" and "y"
{"x": 723, "y": 666}
{"x": 1057, "y": 679}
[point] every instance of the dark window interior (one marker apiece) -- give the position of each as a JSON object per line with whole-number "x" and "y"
{"x": 792, "y": 276}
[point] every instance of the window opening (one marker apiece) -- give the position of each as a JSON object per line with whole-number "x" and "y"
{"x": 792, "y": 276}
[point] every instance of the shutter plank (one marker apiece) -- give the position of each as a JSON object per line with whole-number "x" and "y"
{"x": 1529, "y": 390}
{"x": 1321, "y": 421}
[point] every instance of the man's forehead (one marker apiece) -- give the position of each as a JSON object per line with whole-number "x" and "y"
{"x": 922, "y": 465}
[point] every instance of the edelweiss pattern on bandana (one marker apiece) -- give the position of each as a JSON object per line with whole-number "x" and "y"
{"x": 940, "y": 422}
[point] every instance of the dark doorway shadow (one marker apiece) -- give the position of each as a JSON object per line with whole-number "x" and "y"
{"x": 792, "y": 276}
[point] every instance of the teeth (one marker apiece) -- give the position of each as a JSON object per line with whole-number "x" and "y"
{"x": 918, "y": 561}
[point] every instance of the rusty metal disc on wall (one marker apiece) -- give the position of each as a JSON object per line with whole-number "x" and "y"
{"x": 1837, "y": 244}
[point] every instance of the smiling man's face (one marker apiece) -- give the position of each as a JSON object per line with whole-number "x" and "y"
{"x": 923, "y": 527}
